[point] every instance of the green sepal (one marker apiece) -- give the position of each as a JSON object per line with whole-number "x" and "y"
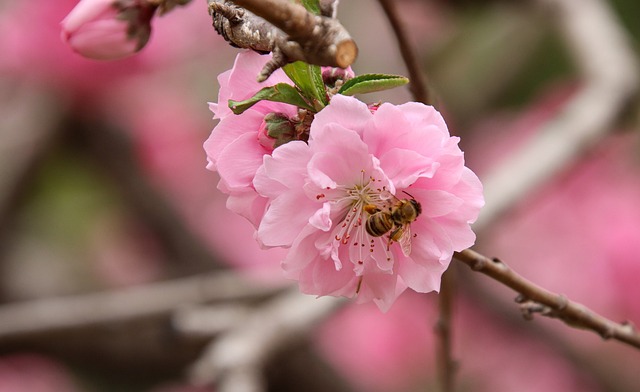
{"x": 369, "y": 83}
{"x": 281, "y": 92}
{"x": 312, "y": 6}
{"x": 308, "y": 78}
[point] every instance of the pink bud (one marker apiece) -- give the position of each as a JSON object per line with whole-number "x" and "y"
{"x": 108, "y": 29}
{"x": 264, "y": 139}
{"x": 275, "y": 130}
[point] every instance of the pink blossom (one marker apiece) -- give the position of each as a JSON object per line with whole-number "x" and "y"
{"x": 403, "y": 351}
{"x": 356, "y": 163}
{"x": 34, "y": 373}
{"x": 108, "y": 29}
{"x": 237, "y": 145}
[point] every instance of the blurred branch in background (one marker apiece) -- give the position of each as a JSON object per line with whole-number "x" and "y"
{"x": 242, "y": 325}
{"x": 25, "y": 142}
{"x": 417, "y": 78}
{"x": 34, "y": 319}
{"x": 443, "y": 330}
{"x": 609, "y": 70}
{"x": 237, "y": 360}
{"x": 104, "y": 142}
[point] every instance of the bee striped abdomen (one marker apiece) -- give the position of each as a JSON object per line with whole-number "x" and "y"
{"x": 379, "y": 224}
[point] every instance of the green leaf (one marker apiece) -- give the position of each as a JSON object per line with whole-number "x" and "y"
{"x": 369, "y": 83}
{"x": 281, "y": 92}
{"x": 312, "y": 6}
{"x": 308, "y": 78}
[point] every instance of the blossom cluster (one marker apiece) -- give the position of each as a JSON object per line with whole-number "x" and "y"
{"x": 369, "y": 199}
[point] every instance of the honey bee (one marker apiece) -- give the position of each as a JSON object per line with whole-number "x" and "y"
{"x": 395, "y": 220}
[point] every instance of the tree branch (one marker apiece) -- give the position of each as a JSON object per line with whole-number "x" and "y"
{"x": 446, "y": 364}
{"x": 44, "y": 316}
{"x": 285, "y": 28}
{"x": 535, "y": 299}
{"x": 418, "y": 83}
{"x": 105, "y": 141}
{"x": 236, "y": 360}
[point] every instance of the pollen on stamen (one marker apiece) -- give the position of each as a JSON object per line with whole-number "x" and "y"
{"x": 320, "y": 196}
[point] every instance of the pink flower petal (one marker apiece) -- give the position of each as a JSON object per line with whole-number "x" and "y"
{"x": 283, "y": 170}
{"x": 348, "y": 112}
{"x": 229, "y": 129}
{"x": 239, "y": 162}
{"x": 276, "y": 231}
{"x": 404, "y": 167}
{"x": 423, "y": 277}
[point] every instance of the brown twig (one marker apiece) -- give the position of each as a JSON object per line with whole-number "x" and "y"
{"x": 535, "y": 299}
{"x": 500, "y": 310}
{"x": 446, "y": 364}
{"x": 418, "y": 84}
{"x": 287, "y": 29}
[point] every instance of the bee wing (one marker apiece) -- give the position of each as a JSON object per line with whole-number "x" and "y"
{"x": 405, "y": 240}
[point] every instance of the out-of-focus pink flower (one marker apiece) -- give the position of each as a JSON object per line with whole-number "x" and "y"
{"x": 234, "y": 148}
{"x": 359, "y": 167}
{"x": 402, "y": 354}
{"x": 33, "y": 53}
{"x": 108, "y": 29}
{"x": 34, "y": 373}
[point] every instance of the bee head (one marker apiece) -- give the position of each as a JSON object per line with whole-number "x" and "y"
{"x": 416, "y": 205}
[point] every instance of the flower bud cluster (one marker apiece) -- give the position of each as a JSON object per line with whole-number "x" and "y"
{"x": 369, "y": 200}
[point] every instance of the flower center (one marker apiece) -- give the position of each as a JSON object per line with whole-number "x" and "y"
{"x": 360, "y": 201}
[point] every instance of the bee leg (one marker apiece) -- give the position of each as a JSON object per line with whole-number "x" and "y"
{"x": 394, "y": 235}
{"x": 371, "y": 209}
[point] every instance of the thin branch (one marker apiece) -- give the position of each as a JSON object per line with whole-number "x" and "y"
{"x": 446, "y": 364}
{"x": 285, "y": 28}
{"x": 609, "y": 69}
{"x": 500, "y": 310}
{"x": 535, "y": 299}
{"x": 418, "y": 83}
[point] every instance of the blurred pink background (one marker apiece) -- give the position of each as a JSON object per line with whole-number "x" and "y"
{"x": 69, "y": 228}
